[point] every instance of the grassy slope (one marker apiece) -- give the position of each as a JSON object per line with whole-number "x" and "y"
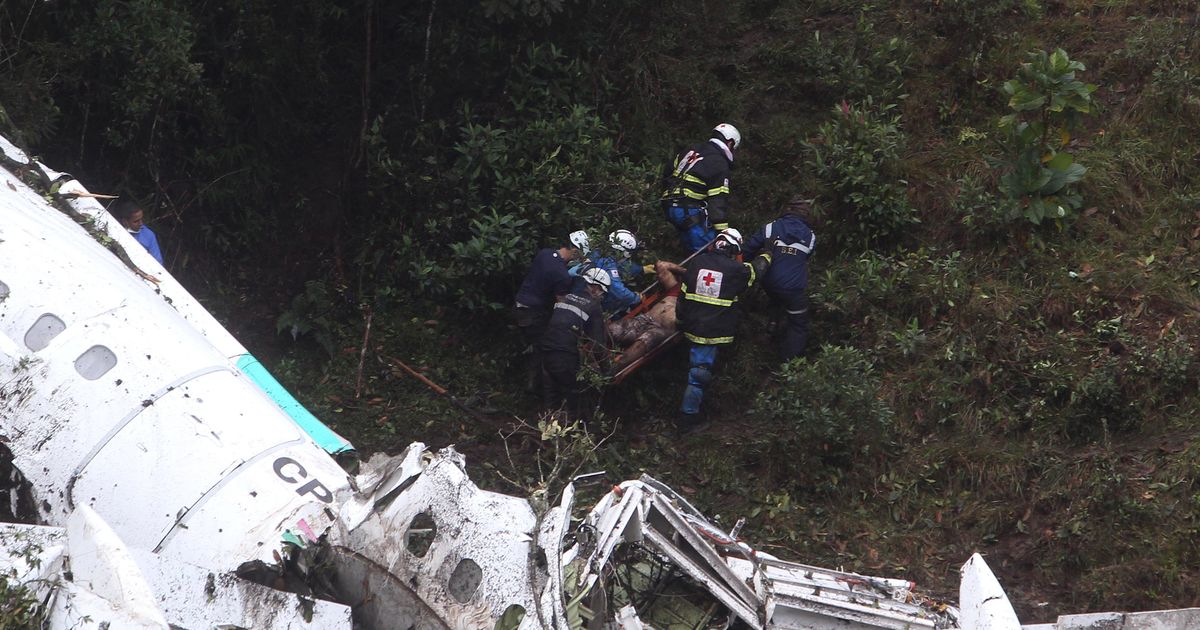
{"x": 1043, "y": 419}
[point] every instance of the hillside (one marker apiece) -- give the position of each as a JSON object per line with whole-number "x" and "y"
{"x": 997, "y": 362}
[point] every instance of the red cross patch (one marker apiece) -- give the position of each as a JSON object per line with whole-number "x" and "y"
{"x": 709, "y": 283}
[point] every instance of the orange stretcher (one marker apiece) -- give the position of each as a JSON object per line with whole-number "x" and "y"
{"x": 648, "y": 301}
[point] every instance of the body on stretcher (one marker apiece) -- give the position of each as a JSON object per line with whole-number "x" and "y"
{"x": 638, "y": 340}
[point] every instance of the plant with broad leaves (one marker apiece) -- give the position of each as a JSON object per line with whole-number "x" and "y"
{"x": 1048, "y": 103}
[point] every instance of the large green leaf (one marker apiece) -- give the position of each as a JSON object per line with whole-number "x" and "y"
{"x": 1060, "y": 161}
{"x": 1025, "y": 99}
{"x": 1061, "y": 179}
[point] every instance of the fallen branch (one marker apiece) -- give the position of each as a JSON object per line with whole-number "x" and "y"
{"x": 91, "y": 195}
{"x": 362, "y": 356}
{"x": 441, "y": 391}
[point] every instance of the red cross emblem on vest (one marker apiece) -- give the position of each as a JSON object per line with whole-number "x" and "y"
{"x": 710, "y": 283}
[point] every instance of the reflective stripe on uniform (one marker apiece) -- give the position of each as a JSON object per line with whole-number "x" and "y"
{"x": 708, "y": 341}
{"x": 807, "y": 249}
{"x": 719, "y": 190}
{"x": 572, "y": 308}
{"x": 704, "y": 299}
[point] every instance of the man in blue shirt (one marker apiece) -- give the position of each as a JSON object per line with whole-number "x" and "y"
{"x": 789, "y": 242}
{"x": 544, "y": 284}
{"x": 132, "y": 219}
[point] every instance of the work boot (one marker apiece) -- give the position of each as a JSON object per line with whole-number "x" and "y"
{"x": 691, "y": 423}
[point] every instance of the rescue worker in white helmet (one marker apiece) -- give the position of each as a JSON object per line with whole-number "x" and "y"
{"x": 695, "y": 194}
{"x": 621, "y": 269}
{"x": 707, "y": 314}
{"x": 576, "y": 319}
{"x": 544, "y": 284}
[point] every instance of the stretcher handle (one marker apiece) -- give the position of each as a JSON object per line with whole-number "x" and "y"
{"x": 683, "y": 262}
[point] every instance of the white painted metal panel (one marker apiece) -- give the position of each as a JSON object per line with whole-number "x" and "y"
{"x": 982, "y": 602}
{"x": 492, "y": 530}
{"x": 243, "y": 517}
{"x": 101, "y": 563}
{"x": 165, "y": 429}
{"x": 192, "y": 437}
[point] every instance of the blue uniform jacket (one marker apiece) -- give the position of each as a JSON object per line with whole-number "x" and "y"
{"x": 546, "y": 279}
{"x": 790, "y": 242}
{"x": 619, "y": 296}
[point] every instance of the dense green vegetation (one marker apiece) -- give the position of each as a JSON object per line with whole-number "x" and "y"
{"x": 1005, "y": 292}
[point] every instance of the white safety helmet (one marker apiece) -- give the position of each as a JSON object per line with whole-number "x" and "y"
{"x": 579, "y": 239}
{"x": 623, "y": 241}
{"x": 598, "y": 277}
{"x": 729, "y": 132}
{"x": 729, "y": 238}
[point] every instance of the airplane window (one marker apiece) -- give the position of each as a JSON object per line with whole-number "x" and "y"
{"x": 420, "y": 534}
{"x": 465, "y": 579}
{"x": 46, "y": 328}
{"x": 95, "y": 362}
{"x": 3, "y": 291}
{"x": 512, "y": 618}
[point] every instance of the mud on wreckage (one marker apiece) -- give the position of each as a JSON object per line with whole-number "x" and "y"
{"x": 159, "y": 477}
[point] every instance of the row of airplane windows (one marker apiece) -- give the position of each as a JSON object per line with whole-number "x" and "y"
{"x": 95, "y": 362}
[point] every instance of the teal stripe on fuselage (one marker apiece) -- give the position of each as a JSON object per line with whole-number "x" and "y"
{"x": 321, "y": 434}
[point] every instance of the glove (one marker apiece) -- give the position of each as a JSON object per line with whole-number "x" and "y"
{"x": 648, "y": 269}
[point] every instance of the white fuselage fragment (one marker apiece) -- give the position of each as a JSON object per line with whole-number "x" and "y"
{"x": 111, "y": 399}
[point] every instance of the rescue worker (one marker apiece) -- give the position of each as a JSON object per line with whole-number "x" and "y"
{"x": 790, "y": 242}
{"x": 708, "y": 315}
{"x": 576, "y": 318}
{"x": 545, "y": 282}
{"x": 619, "y": 298}
{"x": 696, "y": 191}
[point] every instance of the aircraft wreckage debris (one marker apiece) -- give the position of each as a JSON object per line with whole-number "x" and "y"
{"x": 187, "y": 489}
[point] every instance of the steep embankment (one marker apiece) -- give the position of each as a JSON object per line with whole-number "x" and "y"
{"x": 975, "y": 381}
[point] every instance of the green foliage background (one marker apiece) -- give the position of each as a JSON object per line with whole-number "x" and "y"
{"x": 984, "y": 374}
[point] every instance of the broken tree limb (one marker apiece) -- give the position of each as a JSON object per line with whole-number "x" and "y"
{"x": 441, "y": 391}
{"x": 362, "y": 356}
{"x": 91, "y": 195}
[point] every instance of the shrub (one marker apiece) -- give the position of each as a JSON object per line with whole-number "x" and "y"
{"x": 858, "y": 157}
{"x": 830, "y": 403}
{"x": 514, "y": 181}
{"x": 857, "y": 65}
{"x": 1099, "y": 402}
{"x": 926, "y": 284}
{"x": 977, "y": 26}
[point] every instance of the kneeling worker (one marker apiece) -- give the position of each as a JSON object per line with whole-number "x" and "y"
{"x": 708, "y": 314}
{"x": 576, "y": 318}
